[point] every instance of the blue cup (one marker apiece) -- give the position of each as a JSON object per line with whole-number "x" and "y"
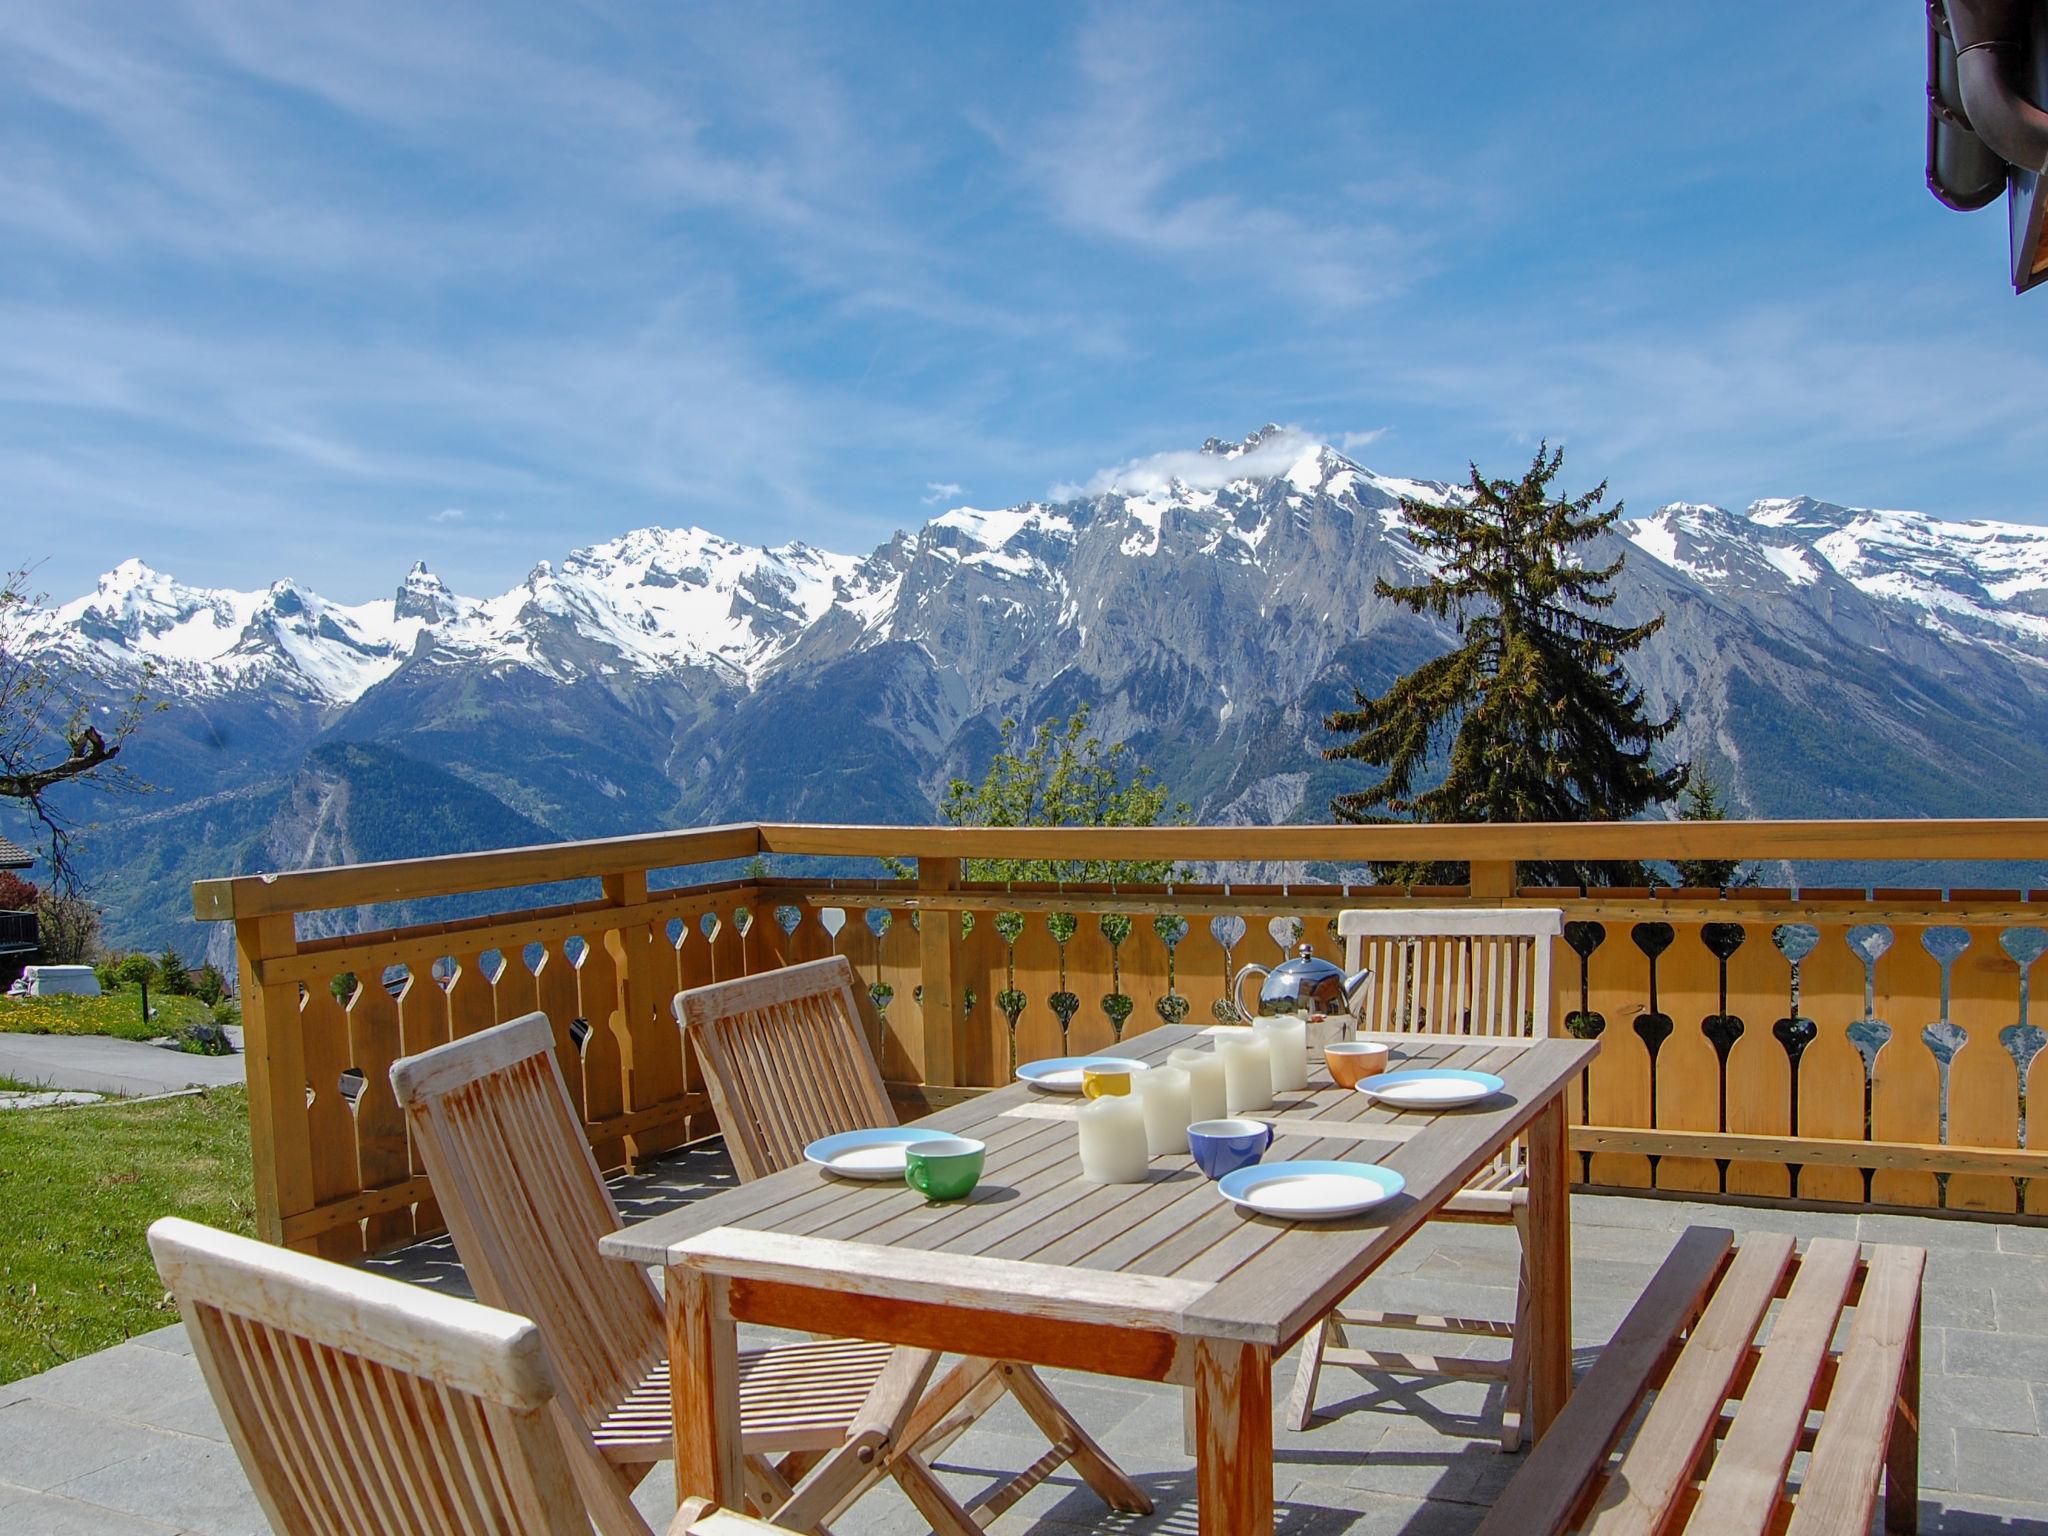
{"x": 1224, "y": 1146}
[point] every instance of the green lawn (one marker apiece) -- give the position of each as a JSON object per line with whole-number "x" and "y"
{"x": 114, "y": 1013}
{"x": 78, "y": 1189}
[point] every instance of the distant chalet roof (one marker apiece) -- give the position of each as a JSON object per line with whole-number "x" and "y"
{"x": 14, "y": 856}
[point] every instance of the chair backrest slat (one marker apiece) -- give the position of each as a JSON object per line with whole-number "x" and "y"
{"x": 784, "y": 1061}
{"x": 361, "y": 1406}
{"x": 521, "y": 1193}
{"x": 1461, "y": 970}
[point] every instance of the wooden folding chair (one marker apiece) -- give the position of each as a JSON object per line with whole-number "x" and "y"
{"x": 785, "y": 1062}
{"x": 1460, "y": 971}
{"x": 362, "y": 1406}
{"x": 516, "y": 1182}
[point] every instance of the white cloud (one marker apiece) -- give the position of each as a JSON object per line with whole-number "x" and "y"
{"x": 1273, "y": 455}
{"x": 1349, "y": 443}
{"x": 939, "y": 490}
{"x": 447, "y": 515}
{"x": 1137, "y": 160}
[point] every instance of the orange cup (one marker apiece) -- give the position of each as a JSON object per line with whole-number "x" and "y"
{"x": 1351, "y": 1061}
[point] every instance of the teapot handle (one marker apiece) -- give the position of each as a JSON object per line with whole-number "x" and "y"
{"x": 1237, "y": 990}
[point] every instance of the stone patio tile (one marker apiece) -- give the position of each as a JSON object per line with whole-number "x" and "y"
{"x": 2020, "y": 1355}
{"x": 1311, "y": 1507}
{"x": 47, "y": 1514}
{"x": 1981, "y": 1402}
{"x": 2023, "y": 1240}
{"x": 1934, "y": 1233}
{"x": 199, "y": 1479}
{"x": 43, "y": 1444}
{"x": 2019, "y": 1313}
{"x": 124, "y": 1381}
{"x": 1417, "y": 1462}
{"x": 2002, "y": 1466}
{"x": 193, "y": 1414}
{"x": 1958, "y": 1306}
{"x": 2012, "y": 1274}
{"x": 171, "y": 1338}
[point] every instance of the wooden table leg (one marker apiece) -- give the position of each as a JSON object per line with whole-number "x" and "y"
{"x": 1234, "y": 1438}
{"x": 1549, "y": 1344}
{"x": 704, "y": 1379}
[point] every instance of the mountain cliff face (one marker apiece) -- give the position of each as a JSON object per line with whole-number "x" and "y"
{"x": 1209, "y": 606}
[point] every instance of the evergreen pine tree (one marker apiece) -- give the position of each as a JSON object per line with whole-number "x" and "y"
{"x": 1542, "y": 721}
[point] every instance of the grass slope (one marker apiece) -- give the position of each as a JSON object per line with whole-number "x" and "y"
{"x": 78, "y": 1190}
{"x": 114, "y": 1013}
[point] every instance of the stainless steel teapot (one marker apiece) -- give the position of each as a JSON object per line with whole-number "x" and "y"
{"x": 1307, "y": 984}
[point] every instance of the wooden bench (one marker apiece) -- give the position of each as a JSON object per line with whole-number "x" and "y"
{"x": 1714, "y": 1451}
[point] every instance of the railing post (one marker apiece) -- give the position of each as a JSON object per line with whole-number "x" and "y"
{"x": 938, "y": 935}
{"x": 650, "y": 1060}
{"x": 1492, "y": 879}
{"x": 273, "y": 1051}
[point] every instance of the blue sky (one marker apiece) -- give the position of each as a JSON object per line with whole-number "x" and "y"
{"x": 317, "y": 290}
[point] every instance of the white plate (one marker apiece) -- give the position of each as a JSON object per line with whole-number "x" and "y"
{"x": 1062, "y": 1074}
{"x": 1431, "y": 1088}
{"x": 1311, "y": 1190}
{"x": 875, "y": 1154}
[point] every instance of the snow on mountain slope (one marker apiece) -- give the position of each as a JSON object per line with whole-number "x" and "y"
{"x": 659, "y": 602}
{"x": 198, "y": 639}
{"x": 649, "y": 602}
{"x": 1979, "y": 581}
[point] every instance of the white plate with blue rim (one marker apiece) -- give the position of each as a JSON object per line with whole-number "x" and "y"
{"x": 1062, "y": 1074}
{"x": 1310, "y": 1190}
{"x": 1431, "y": 1088}
{"x": 876, "y": 1154}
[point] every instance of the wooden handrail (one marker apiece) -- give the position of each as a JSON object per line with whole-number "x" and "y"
{"x": 1894, "y": 839}
{"x": 311, "y": 890}
{"x": 454, "y": 874}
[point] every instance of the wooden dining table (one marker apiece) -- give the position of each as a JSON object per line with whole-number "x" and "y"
{"x": 1158, "y": 1281}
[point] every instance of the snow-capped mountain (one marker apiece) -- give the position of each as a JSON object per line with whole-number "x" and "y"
{"x": 1210, "y": 605}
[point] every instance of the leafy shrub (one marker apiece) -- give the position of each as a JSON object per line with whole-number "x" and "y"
{"x": 17, "y": 894}
{"x": 135, "y": 971}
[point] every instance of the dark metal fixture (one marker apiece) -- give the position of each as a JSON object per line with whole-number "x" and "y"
{"x": 1987, "y": 70}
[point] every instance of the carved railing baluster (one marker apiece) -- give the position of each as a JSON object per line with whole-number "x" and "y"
{"x": 1172, "y": 1008}
{"x": 1721, "y": 1027}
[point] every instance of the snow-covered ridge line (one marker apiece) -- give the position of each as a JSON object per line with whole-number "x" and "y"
{"x": 668, "y": 602}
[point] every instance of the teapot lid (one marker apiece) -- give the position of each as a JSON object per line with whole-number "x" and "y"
{"x": 1306, "y": 962}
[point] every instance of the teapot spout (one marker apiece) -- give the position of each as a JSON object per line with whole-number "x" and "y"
{"x": 1354, "y": 991}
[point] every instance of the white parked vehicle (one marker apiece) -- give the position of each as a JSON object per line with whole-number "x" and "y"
{"x": 56, "y": 981}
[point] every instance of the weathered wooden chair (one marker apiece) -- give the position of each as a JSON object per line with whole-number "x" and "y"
{"x": 784, "y": 1063}
{"x": 524, "y": 1201}
{"x": 1714, "y": 1452}
{"x": 1462, "y": 971}
{"x": 362, "y": 1406}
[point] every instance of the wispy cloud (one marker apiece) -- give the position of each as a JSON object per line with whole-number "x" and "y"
{"x": 1144, "y": 155}
{"x": 939, "y": 490}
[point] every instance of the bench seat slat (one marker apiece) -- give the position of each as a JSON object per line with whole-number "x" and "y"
{"x": 1547, "y": 1491}
{"x": 1840, "y": 1488}
{"x": 1747, "y": 1483}
{"x": 1681, "y": 1421}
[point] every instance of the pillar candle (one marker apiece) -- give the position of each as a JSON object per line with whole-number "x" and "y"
{"x": 1287, "y": 1038}
{"x": 1205, "y": 1082}
{"x": 1247, "y": 1071}
{"x": 1113, "y": 1140}
{"x": 1167, "y": 1099}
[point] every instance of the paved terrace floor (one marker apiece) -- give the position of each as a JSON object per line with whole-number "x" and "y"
{"x": 127, "y": 1440}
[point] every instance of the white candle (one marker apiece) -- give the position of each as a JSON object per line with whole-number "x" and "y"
{"x": 1113, "y": 1140}
{"x": 1247, "y": 1071}
{"x": 1287, "y": 1038}
{"x": 1166, "y": 1096}
{"x": 1205, "y": 1082}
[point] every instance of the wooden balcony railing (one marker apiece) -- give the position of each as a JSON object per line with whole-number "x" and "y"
{"x": 1869, "y": 1046}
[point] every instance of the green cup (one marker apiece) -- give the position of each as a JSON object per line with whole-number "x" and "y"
{"x": 943, "y": 1170}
